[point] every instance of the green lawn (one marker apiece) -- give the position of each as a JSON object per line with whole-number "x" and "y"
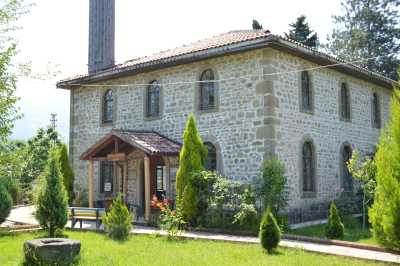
{"x": 352, "y": 234}
{"x": 98, "y": 250}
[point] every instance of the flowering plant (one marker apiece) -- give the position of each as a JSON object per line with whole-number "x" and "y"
{"x": 170, "y": 220}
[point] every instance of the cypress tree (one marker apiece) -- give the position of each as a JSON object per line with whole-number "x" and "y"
{"x": 385, "y": 212}
{"x": 270, "y": 233}
{"x": 191, "y": 157}
{"x": 66, "y": 172}
{"x": 335, "y": 227}
{"x": 51, "y": 206}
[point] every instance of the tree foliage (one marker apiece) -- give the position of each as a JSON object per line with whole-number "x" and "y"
{"x": 270, "y": 233}
{"x": 118, "y": 221}
{"x": 51, "y": 205}
{"x": 256, "y": 25}
{"x": 5, "y": 202}
{"x": 368, "y": 29}
{"x": 67, "y": 172}
{"x": 385, "y": 212}
{"x": 301, "y": 32}
{"x": 334, "y": 227}
{"x": 191, "y": 158}
{"x": 271, "y": 185}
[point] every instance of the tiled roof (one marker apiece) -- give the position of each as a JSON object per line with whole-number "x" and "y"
{"x": 150, "y": 142}
{"x": 233, "y": 41}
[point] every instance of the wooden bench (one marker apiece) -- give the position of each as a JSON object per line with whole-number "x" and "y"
{"x": 79, "y": 214}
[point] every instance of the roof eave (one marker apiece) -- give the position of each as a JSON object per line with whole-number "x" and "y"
{"x": 272, "y": 41}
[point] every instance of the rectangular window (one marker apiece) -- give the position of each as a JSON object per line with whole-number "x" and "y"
{"x": 106, "y": 177}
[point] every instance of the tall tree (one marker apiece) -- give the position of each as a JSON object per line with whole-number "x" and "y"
{"x": 191, "y": 157}
{"x": 301, "y": 32}
{"x": 256, "y": 25}
{"x": 385, "y": 212}
{"x": 368, "y": 29}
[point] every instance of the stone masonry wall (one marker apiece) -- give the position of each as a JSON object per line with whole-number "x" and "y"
{"x": 258, "y": 116}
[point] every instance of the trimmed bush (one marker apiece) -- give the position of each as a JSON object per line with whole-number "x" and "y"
{"x": 189, "y": 204}
{"x": 270, "y": 233}
{"x": 51, "y": 205}
{"x": 118, "y": 221}
{"x": 67, "y": 172}
{"x": 13, "y": 188}
{"x": 5, "y": 203}
{"x": 335, "y": 227}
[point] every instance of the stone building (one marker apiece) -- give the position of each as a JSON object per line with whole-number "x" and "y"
{"x": 254, "y": 95}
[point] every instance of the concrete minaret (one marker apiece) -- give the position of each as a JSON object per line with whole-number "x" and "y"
{"x": 101, "y": 35}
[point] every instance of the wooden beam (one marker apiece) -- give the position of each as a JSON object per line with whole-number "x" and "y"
{"x": 147, "y": 196}
{"x": 116, "y": 157}
{"x": 90, "y": 184}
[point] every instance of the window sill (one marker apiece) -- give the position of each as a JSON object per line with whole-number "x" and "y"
{"x": 308, "y": 112}
{"x": 152, "y": 118}
{"x": 307, "y": 195}
{"x": 107, "y": 124}
{"x": 208, "y": 110}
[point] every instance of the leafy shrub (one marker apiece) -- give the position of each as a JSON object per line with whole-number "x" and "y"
{"x": 51, "y": 205}
{"x": 5, "y": 203}
{"x": 169, "y": 220}
{"x": 246, "y": 217}
{"x": 118, "y": 221}
{"x": 334, "y": 227}
{"x": 271, "y": 185}
{"x": 189, "y": 204}
{"x": 66, "y": 172}
{"x": 384, "y": 214}
{"x": 270, "y": 233}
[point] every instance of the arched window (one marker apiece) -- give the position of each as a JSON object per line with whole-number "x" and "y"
{"x": 207, "y": 90}
{"x": 211, "y": 161}
{"x": 347, "y": 179}
{"x": 108, "y": 106}
{"x": 308, "y": 167}
{"x": 153, "y": 99}
{"x": 306, "y": 94}
{"x": 376, "y": 113}
{"x": 344, "y": 102}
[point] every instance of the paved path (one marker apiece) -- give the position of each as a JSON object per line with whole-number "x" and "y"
{"x": 320, "y": 248}
{"x": 25, "y": 215}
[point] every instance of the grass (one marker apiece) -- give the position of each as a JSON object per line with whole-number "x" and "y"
{"x": 97, "y": 249}
{"x": 353, "y": 232}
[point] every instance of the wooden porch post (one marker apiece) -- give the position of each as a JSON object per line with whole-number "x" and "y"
{"x": 90, "y": 184}
{"x": 125, "y": 182}
{"x": 147, "y": 199}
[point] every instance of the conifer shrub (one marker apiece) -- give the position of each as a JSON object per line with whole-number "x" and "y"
{"x": 67, "y": 172}
{"x": 5, "y": 203}
{"x": 191, "y": 160}
{"x": 270, "y": 233}
{"x": 189, "y": 204}
{"x": 384, "y": 214}
{"x": 51, "y": 204}
{"x": 118, "y": 221}
{"x": 335, "y": 227}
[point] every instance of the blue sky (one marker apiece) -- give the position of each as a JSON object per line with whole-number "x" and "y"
{"x": 56, "y": 33}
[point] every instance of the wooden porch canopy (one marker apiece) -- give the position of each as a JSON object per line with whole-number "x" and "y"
{"x": 118, "y": 144}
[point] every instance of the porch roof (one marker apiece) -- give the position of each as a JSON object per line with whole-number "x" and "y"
{"x": 122, "y": 140}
